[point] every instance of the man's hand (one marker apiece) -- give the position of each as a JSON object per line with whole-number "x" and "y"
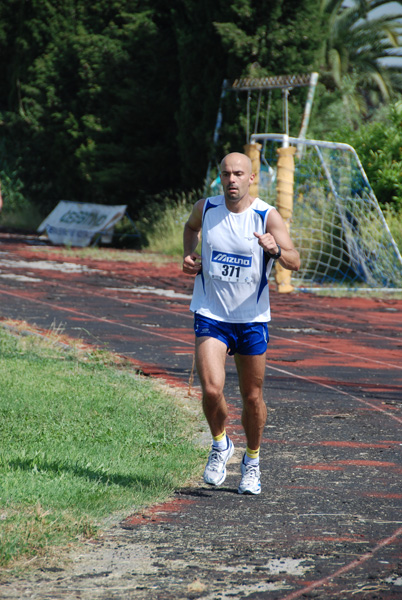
{"x": 267, "y": 242}
{"x": 192, "y": 264}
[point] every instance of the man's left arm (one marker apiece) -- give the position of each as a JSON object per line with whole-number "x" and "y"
{"x": 276, "y": 236}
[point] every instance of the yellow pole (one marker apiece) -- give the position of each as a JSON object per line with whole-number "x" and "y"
{"x": 284, "y": 205}
{"x": 253, "y": 152}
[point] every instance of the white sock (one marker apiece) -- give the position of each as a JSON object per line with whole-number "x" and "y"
{"x": 252, "y": 457}
{"x": 220, "y": 442}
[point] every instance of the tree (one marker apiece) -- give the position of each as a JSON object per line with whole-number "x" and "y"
{"x": 353, "y": 53}
{"x": 261, "y": 39}
{"x": 92, "y": 108}
{"x": 116, "y": 101}
{"x": 379, "y": 146}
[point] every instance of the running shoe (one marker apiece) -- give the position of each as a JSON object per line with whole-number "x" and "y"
{"x": 215, "y": 471}
{"x": 250, "y": 481}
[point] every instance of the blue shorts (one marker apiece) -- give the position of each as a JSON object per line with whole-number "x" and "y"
{"x": 240, "y": 338}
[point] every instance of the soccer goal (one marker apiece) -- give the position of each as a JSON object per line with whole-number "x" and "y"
{"x": 337, "y": 224}
{"x": 320, "y": 189}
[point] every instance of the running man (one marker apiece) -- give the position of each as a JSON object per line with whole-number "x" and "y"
{"x": 242, "y": 236}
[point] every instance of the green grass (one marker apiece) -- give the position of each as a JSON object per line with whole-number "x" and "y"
{"x": 394, "y": 221}
{"x": 104, "y": 253}
{"x": 167, "y": 237}
{"x": 82, "y": 440}
{"x": 341, "y": 290}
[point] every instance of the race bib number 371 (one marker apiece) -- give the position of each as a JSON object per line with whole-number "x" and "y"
{"x": 234, "y": 268}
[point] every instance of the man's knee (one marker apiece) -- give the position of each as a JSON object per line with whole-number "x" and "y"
{"x": 254, "y": 401}
{"x": 212, "y": 392}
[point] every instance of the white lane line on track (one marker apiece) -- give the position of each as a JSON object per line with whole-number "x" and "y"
{"x": 149, "y": 332}
{"x": 335, "y": 389}
{"x": 190, "y": 316}
{"x": 337, "y": 327}
{"x": 332, "y": 351}
{"x": 148, "y": 289}
{"x": 48, "y": 265}
{"x": 346, "y": 568}
{"x": 23, "y": 278}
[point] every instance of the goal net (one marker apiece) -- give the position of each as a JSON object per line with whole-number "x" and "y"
{"x": 337, "y": 224}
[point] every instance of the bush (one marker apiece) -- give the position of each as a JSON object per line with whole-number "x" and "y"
{"x": 17, "y": 211}
{"x": 162, "y": 221}
{"x": 379, "y": 146}
{"x": 394, "y": 221}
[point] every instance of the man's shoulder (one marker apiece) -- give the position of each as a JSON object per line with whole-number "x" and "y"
{"x": 215, "y": 200}
{"x": 262, "y": 204}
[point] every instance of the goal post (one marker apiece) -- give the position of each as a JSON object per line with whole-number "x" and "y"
{"x": 337, "y": 223}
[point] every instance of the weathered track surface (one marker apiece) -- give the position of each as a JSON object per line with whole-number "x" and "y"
{"x": 328, "y": 523}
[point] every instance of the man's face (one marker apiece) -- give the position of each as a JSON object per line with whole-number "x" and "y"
{"x": 236, "y": 177}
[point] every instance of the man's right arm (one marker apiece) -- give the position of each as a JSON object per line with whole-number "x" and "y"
{"x": 191, "y": 237}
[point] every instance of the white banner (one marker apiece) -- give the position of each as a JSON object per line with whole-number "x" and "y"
{"x": 76, "y": 223}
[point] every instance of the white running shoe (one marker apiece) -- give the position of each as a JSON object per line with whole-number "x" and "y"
{"x": 250, "y": 481}
{"x": 215, "y": 471}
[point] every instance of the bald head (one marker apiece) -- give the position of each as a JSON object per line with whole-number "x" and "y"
{"x": 236, "y": 178}
{"x": 238, "y": 161}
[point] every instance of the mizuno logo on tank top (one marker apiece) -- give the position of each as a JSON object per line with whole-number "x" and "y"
{"x": 231, "y": 259}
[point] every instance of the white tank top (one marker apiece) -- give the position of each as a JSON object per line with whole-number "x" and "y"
{"x": 233, "y": 283}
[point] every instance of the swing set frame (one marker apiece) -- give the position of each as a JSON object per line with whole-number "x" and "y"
{"x": 283, "y": 82}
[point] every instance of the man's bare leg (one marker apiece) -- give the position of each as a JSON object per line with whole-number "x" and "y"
{"x": 251, "y": 371}
{"x": 210, "y": 359}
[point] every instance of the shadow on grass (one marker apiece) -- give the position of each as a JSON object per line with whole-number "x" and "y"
{"x": 43, "y": 466}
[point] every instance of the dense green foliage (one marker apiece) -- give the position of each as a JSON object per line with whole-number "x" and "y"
{"x": 89, "y": 88}
{"x": 277, "y": 39}
{"x": 379, "y": 146}
{"x": 351, "y": 61}
{"x": 116, "y": 101}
